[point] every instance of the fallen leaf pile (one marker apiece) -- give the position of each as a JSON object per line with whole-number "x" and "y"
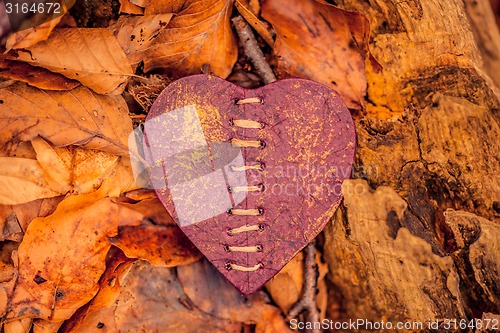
{"x": 83, "y": 247}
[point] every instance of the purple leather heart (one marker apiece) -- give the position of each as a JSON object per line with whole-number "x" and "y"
{"x": 251, "y": 176}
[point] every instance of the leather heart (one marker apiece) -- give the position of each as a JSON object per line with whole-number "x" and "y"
{"x": 250, "y": 176}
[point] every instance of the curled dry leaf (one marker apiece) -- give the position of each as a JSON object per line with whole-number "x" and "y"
{"x": 77, "y": 117}
{"x": 35, "y": 76}
{"x": 8, "y": 278}
{"x": 45, "y": 326}
{"x": 29, "y": 37}
{"x": 246, "y": 11}
{"x": 149, "y": 297}
{"x": 18, "y": 326}
{"x": 198, "y": 36}
{"x": 150, "y": 207}
{"x": 22, "y": 180}
{"x": 61, "y": 257}
{"x": 285, "y": 287}
{"x": 165, "y": 246}
{"x": 321, "y": 42}
{"x": 91, "y": 56}
{"x": 126, "y": 6}
{"x": 97, "y": 315}
{"x": 136, "y": 34}
{"x": 200, "y": 279}
{"x": 15, "y": 219}
{"x": 58, "y": 171}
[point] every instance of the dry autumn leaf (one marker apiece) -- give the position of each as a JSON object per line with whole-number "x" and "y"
{"x": 198, "y": 36}
{"x": 18, "y": 326}
{"x": 78, "y": 117}
{"x": 15, "y": 219}
{"x": 61, "y": 257}
{"x": 57, "y": 171}
{"x": 153, "y": 299}
{"x": 128, "y": 7}
{"x": 91, "y": 56}
{"x": 29, "y": 37}
{"x": 136, "y": 34}
{"x": 23, "y": 180}
{"x": 167, "y": 246}
{"x": 318, "y": 41}
{"x": 35, "y": 76}
{"x": 286, "y": 287}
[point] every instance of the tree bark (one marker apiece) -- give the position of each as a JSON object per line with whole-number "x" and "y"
{"x": 417, "y": 236}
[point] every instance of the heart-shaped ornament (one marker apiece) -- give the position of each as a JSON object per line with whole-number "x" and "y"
{"x": 250, "y": 176}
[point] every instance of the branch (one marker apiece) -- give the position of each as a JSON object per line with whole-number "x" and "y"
{"x": 252, "y": 50}
{"x": 308, "y": 300}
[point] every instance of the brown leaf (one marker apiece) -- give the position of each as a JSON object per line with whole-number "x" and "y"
{"x": 285, "y": 287}
{"x": 136, "y": 34}
{"x": 78, "y": 117}
{"x": 321, "y": 42}
{"x": 200, "y": 34}
{"x": 97, "y": 315}
{"x": 22, "y": 180}
{"x": 61, "y": 257}
{"x": 126, "y": 6}
{"x": 8, "y": 277}
{"x": 200, "y": 279}
{"x": 29, "y": 37}
{"x": 159, "y": 245}
{"x": 150, "y": 207}
{"x": 245, "y": 10}
{"x": 91, "y": 56}
{"x": 35, "y": 76}
{"x": 44, "y": 326}
{"x": 58, "y": 171}
{"x": 141, "y": 3}
{"x": 18, "y": 326}
{"x": 15, "y": 219}
{"x": 149, "y": 297}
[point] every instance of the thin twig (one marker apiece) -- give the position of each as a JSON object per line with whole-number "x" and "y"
{"x": 252, "y": 50}
{"x": 308, "y": 301}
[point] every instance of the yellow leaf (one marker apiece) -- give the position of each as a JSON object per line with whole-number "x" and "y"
{"x": 75, "y": 117}
{"x": 91, "y": 56}
{"x": 198, "y": 36}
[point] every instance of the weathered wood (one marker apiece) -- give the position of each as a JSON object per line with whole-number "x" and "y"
{"x": 429, "y": 142}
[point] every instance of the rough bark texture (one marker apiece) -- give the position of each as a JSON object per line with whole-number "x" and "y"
{"x": 417, "y": 238}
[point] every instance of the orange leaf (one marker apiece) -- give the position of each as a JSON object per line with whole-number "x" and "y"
{"x": 61, "y": 257}
{"x": 91, "y": 56}
{"x": 159, "y": 245}
{"x": 35, "y": 76}
{"x": 78, "y": 117}
{"x": 58, "y": 171}
{"x": 199, "y": 35}
{"x": 244, "y": 9}
{"x": 126, "y": 6}
{"x": 136, "y": 34}
{"x": 29, "y": 37}
{"x": 321, "y": 42}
